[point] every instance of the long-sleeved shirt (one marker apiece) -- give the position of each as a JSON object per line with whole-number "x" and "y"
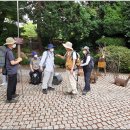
{"x": 47, "y": 61}
{"x": 87, "y": 61}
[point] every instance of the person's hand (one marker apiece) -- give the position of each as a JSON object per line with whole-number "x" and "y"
{"x": 71, "y": 71}
{"x": 57, "y": 55}
{"x": 32, "y": 70}
{"x": 41, "y": 69}
{"x": 19, "y": 59}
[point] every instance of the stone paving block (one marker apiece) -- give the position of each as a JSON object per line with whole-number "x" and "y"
{"x": 105, "y": 107}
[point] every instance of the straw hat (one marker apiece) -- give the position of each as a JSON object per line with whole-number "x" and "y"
{"x": 10, "y": 41}
{"x": 68, "y": 45}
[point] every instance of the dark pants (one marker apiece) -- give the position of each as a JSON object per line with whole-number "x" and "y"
{"x": 11, "y": 89}
{"x": 36, "y": 71}
{"x": 87, "y": 74}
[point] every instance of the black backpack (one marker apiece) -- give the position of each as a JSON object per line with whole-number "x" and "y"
{"x": 35, "y": 78}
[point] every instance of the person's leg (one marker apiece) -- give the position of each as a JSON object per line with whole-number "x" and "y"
{"x": 15, "y": 84}
{"x": 87, "y": 81}
{"x": 50, "y": 80}
{"x": 69, "y": 87}
{"x": 73, "y": 83}
{"x": 46, "y": 80}
{"x": 11, "y": 82}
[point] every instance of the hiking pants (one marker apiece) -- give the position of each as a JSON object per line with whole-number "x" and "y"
{"x": 47, "y": 79}
{"x": 71, "y": 82}
{"x": 11, "y": 87}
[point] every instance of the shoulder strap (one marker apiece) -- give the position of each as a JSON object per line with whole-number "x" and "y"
{"x": 46, "y": 56}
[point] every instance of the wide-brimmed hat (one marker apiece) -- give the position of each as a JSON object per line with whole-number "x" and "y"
{"x": 34, "y": 53}
{"x": 10, "y": 41}
{"x": 68, "y": 45}
{"x": 86, "y": 48}
{"x": 50, "y": 46}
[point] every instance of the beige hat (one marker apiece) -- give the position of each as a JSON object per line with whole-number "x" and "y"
{"x": 9, "y": 41}
{"x": 86, "y": 48}
{"x": 68, "y": 45}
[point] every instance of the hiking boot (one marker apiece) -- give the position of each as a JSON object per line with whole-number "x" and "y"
{"x": 11, "y": 101}
{"x": 44, "y": 91}
{"x": 50, "y": 88}
{"x": 15, "y": 95}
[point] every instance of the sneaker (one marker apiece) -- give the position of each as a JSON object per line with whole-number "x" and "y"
{"x": 15, "y": 95}
{"x": 44, "y": 91}
{"x": 50, "y": 88}
{"x": 11, "y": 101}
{"x": 3, "y": 84}
{"x": 85, "y": 92}
{"x": 68, "y": 93}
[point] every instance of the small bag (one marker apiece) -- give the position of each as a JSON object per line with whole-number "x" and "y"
{"x": 4, "y": 71}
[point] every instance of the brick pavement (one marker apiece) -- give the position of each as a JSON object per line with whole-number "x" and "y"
{"x": 107, "y": 106}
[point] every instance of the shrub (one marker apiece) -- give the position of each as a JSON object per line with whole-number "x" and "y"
{"x": 111, "y": 41}
{"x": 25, "y": 61}
{"x": 122, "y": 52}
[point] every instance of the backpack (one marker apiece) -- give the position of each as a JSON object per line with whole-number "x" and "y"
{"x": 91, "y": 62}
{"x": 35, "y": 78}
{"x": 78, "y": 60}
{"x": 57, "y": 79}
{"x": 2, "y": 56}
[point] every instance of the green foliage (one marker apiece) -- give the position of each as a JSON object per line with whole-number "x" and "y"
{"x": 58, "y": 61}
{"x": 111, "y": 41}
{"x": 29, "y": 30}
{"x": 113, "y": 19}
{"x": 25, "y": 61}
{"x": 124, "y": 54}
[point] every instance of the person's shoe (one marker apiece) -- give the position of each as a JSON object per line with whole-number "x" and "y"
{"x": 68, "y": 93}
{"x": 50, "y": 88}
{"x": 11, "y": 101}
{"x": 85, "y": 92}
{"x": 15, "y": 95}
{"x": 3, "y": 84}
{"x": 44, "y": 91}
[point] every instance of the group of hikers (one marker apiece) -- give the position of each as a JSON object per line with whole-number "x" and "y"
{"x": 46, "y": 65}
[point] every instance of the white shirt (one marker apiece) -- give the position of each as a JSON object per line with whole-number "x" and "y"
{"x": 47, "y": 61}
{"x": 87, "y": 61}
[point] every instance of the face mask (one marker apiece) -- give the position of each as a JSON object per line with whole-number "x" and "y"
{"x": 35, "y": 56}
{"x": 52, "y": 50}
{"x": 14, "y": 46}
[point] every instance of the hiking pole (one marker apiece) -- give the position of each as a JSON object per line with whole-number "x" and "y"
{"x": 19, "y": 43}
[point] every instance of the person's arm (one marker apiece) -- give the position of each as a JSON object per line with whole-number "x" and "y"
{"x": 87, "y": 61}
{"x": 43, "y": 60}
{"x": 74, "y": 61}
{"x": 60, "y": 56}
{"x": 15, "y": 62}
{"x": 31, "y": 65}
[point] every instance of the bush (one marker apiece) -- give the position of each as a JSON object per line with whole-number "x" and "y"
{"x": 59, "y": 61}
{"x": 25, "y": 62}
{"x": 111, "y": 41}
{"x": 124, "y": 53}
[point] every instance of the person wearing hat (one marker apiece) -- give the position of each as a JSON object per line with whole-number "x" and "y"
{"x": 34, "y": 65}
{"x": 87, "y": 65}
{"x": 11, "y": 67}
{"x": 47, "y": 62}
{"x": 70, "y": 58}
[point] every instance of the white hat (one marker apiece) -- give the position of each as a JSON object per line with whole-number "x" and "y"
{"x": 9, "y": 41}
{"x": 68, "y": 45}
{"x": 86, "y": 48}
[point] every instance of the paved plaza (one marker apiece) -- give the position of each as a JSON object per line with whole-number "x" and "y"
{"x": 106, "y": 106}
